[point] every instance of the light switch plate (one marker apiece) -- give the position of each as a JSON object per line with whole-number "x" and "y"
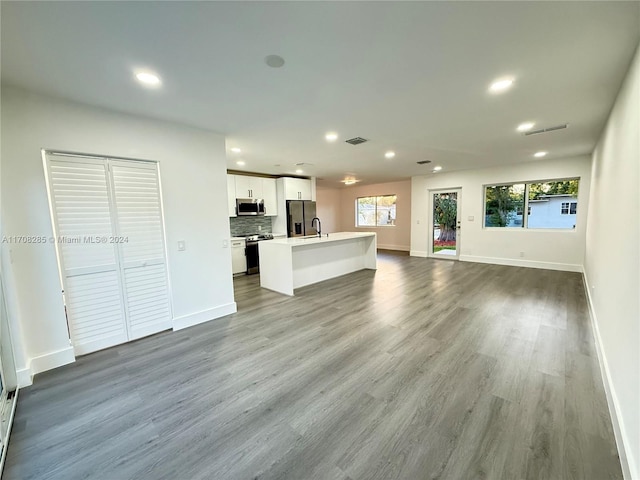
{"x": 181, "y": 246}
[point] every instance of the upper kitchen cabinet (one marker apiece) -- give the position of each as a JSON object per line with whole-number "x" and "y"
{"x": 231, "y": 195}
{"x": 297, "y": 188}
{"x": 270, "y": 197}
{"x": 249, "y": 187}
{"x": 244, "y": 186}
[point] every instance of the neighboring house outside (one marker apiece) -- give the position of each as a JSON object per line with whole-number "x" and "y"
{"x": 553, "y": 211}
{"x": 548, "y": 211}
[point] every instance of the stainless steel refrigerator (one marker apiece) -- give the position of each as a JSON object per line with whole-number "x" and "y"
{"x": 299, "y": 216}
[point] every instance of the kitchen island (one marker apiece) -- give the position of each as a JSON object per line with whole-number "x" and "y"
{"x": 290, "y": 263}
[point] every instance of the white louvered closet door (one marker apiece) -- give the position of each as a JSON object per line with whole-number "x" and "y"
{"x": 81, "y": 200}
{"x": 108, "y": 220}
{"x": 139, "y": 225}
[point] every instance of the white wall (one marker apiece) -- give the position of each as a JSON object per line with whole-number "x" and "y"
{"x": 328, "y": 208}
{"x": 393, "y": 238}
{"x": 612, "y": 262}
{"x": 193, "y": 174}
{"x": 560, "y": 249}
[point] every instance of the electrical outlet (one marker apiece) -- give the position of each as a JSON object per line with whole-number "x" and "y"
{"x": 521, "y": 254}
{"x": 181, "y": 246}
{"x": 225, "y": 243}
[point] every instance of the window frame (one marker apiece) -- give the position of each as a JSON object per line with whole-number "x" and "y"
{"x": 357, "y": 220}
{"x": 526, "y": 208}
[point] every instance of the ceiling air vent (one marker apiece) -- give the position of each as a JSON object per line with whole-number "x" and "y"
{"x": 356, "y": 140}
{"x": 423, "y": 162}
{"x": 547, "y": 130}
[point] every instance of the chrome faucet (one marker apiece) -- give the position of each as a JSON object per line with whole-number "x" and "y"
{"x": 319, "y": 225}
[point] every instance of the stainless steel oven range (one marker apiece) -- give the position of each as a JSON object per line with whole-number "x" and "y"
{"x": 253, "y": 259}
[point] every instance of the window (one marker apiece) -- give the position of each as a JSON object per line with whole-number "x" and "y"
{"x": 376, "y": 211}
{"x": 568, "y": 208}
{"x": 504, "y": 205}
{"x": 551, "y": 204}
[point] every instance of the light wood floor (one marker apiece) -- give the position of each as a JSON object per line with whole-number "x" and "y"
{"x": 425, "y": 369}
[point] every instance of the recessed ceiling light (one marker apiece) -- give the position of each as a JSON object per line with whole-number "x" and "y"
{"x": 240, "y": 162}
{"x": 298, "y": 171}
{"x": 274, "y": 61}
{"x": 331, "y": 136}
{"x": 349, "y": 181}
{"x": 148, "y": 78}
{"x": 526, "y": 126}
{"x": 437, "y": 168}
{"x": 501, "y": 85}
{"x": 390, "y": 154}
{"x": 236, "y": 150}
{"x": 540, "y": 154}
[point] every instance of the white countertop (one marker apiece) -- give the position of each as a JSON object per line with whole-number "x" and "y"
{"x": 311, "y": 240}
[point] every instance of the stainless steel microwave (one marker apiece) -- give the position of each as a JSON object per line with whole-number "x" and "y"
{"x": 250, "y": 206}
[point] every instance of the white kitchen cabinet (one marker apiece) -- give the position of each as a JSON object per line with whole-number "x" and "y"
{"x": 238, "y": 258}
{"x": 231, "y": 195}
{"x": 244, "y": 186}
{"x": 297, "y": 188}
{"x": 270, "y": 197}
{"x": 249, "y": 187}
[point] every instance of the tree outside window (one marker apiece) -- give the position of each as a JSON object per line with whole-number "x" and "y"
{"x": 504, "y": 205}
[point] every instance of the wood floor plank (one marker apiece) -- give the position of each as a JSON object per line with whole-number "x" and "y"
{"x": 423, "y": 369}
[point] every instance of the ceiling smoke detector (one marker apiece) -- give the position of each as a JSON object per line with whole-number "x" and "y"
{"x": 423, "y": 162}
{"x": 547, "y": 130}
{"x": 356, "y": 140}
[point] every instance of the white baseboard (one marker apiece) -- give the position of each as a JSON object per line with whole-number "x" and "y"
{"x": 192, "y": 319}
{"x": 399, "y": 248}
{"x": 52, "y": 360}
{"x": 418, "y": 253}
{"x": 565, "y": 267}
{"x": 629, "y": 469}
{"x": 42, "y": 363}
{"x": 24, "y": 377}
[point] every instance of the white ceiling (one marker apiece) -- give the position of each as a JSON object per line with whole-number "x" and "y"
{"x": 411, "y": 77}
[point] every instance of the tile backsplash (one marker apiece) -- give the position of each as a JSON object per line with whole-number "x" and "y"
{"x": 249, "y": 225}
